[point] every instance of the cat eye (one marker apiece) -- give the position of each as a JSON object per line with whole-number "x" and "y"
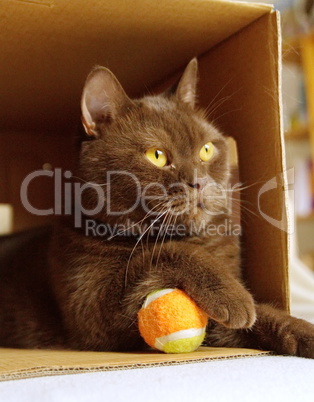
{"x": 156, "y": 157}
{"x": 207, "y": 151}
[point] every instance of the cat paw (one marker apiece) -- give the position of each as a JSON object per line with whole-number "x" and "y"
{"x": 297, "y": 338}
{"x": 234, "y": 309}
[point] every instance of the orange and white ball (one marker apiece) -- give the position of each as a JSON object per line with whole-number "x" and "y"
{"x": 171, "y": 321}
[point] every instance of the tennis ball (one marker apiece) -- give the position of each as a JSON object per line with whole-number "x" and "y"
{"x": 171, "y": 321}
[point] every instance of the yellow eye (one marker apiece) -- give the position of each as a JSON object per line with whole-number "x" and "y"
{"x": 156, "y": 157}
{"x": 207, "y": 151}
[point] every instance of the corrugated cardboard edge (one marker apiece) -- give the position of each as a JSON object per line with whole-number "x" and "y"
{"x": 156, "y": 360}
{"x": 289, "y": 217}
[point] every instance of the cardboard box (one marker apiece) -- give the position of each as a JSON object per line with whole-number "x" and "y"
{"x": 47, "y": 49}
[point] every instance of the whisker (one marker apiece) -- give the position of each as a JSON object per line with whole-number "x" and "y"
{"x": 90, "y": 182}
{"x": 128, "y": 263}
{"x": 244, "y": 208}
{"x": 210, "y": 113}
{"x": 149, "y": 213}
{"x": 164, "y": 237}
{"x": 225, "y": 114}
{"x": 216, "y": 96}
{"x": 241, "y": 187}
{"x": 155, "y": 244}
{"x": 223, "y": 100}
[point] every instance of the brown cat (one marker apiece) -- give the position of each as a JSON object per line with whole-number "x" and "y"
{"x": 155, "y": 164}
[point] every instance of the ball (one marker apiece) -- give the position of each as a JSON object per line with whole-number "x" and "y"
{"x": 171, "y": 321}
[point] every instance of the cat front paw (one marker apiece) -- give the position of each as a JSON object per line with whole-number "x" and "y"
{"x": 233, "y": 308}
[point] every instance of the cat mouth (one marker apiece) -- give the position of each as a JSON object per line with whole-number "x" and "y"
{"x": 185, "y": 204}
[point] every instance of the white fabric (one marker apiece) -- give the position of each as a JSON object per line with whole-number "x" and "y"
{"x": 301, "y": 283}
{"x": 269, "y": 378}
{"x": 302, "y": 290}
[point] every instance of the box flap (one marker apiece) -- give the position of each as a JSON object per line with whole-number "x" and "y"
{"x": 48, "y": 47}
{"x": 247, "y": 91}
{"x": 18, "y": 364}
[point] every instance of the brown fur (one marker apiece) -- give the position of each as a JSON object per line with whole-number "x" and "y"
{"x": 86, "y": 295}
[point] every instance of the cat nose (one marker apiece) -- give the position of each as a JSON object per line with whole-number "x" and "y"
{"x": 199, "y": 183}
{"x": 196, "y": 185}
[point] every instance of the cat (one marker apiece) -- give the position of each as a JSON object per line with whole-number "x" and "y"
{"x": 85, "y": 292}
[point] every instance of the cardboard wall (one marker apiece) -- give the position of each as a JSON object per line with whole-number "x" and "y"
{"x": 249, "y": 86}
{"x": 49, "y": 46}
{"x": 22, "y": 153}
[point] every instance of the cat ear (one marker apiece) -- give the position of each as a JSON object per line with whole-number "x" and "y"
{"x": 186, "y": 88}
{"x": 103, "y": 99}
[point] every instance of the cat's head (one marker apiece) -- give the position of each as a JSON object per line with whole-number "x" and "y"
{"x": 157, "y": 154}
